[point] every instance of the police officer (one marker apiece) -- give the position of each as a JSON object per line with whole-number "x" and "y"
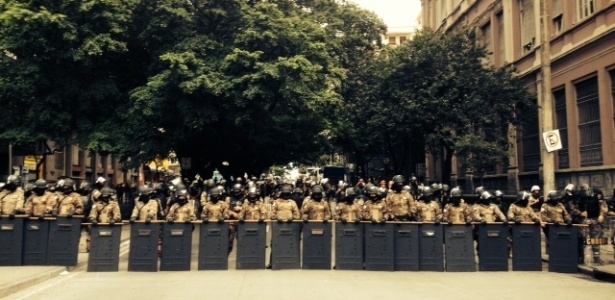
{"x": 485, "y": 210}
{"x": 592, "y": 211}
{"x": 457, "y": 211}
{"x": 315, "y": 207}
{"x": 520, "y": 211}
{"x": 216, "y": 208}
{"x": 536, "y": 199}
{"x": 181, "y": 210}
{"x": 69, "y": 203}
{"x": 236, "y": 201}
{"x": 146, "y": 209}
{"x": 298, "y": 196}
{"x": 552, "y": 211}
{"x": 375, "y": 208}
{"x": 350, "y": 209}
{"x": 428, "y": 207}
{"x": 254, "y": 209}
{"x": 285, "y": 209}
{"x": 501, "y": 202}
{"x": 11, "y": 198}
{"x": 41, "y": 202}
{"x": 105, "y": 210}
{"x": 401, "y": 203}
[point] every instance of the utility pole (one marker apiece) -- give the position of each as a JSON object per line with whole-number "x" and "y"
{"x": 546, "y": 101}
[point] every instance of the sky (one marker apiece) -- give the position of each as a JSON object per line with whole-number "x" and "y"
{"x": 395, "y": 13}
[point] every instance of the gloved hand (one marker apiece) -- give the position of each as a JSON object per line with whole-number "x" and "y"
{"x": 187, "y": 222}
{"x": 111, "y": 222}
{"x": 556, "y": 224}
{"x": 325, "y": 221}
{"x": 261, "y": 221}
{"x": 11, "y": 216}
{"x": 357, "y": 221}
{"x": 505, "y": 223}
{"x": 171, "y": 222}
{"x": 344, "y": 221}
{"x": 40, "y": 218}
{"x": 94, "y": 223}
{"x": 132, "y": 220}
{"x": 450, "y": 224}
{"x": 537, "y": 222}
{"x": 383, "y": 221}
{"x": 205, "y": 221}
{"x": 55, "y": 215}
{"x": 289, "y": 221}
{"x": 374, "y": 221}
{"x": 148, "y": 221}
{"x": 221, "y": 221}
{"x": 280, "y": 221}
{"x": 241, "y": 220}
{"x": 468, "y": 223}
{"x": 69, "y": 215}
{"x": 517, "y": 222}
{"x": 436, "y": 223}
{"x": 569, "y": 224}
{"x": 483, "y": 222}
{"x": 305, "y": 220}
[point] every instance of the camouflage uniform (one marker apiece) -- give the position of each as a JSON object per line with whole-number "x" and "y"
{"x": 348, "y": 212}
{"x": 69, "y": 204}
{"x": 181, "y": 212}
{"x": 554, "y": 213}
{"x": 253, "y": 211}
{"x": 522, "y": 214}
{"x": 375, "y": 210}
{"x": 316, "y": 210}
{"x": 488, "y": 213}
{"x": 457, "y": 214}
{"x": 11, "y": 202}
{"x": 38, "y": 206}
{"x": 402, "y": 205}
{"x": 429, "y": 212}
{"x": 144, "y": 211}
{"x": 103, "y": 212}
{"x": 215, "y": 211}
{"x": 284, "y": 209}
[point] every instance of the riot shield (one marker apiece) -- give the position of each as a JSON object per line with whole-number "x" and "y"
{"x": 285, "y": 246}
{"x": 379, "y": 247}
{"x": 63, "y": 246}
{"x": 459, "y": 248}
{"x": 176, "y": 247}
{"x": 348, "y": 246}
{"x": 493, "y": 247}
{"x": 143, "y": 256}
{"x": 251, "y": 245}
{"x": 11, "y": 237}
{"x": 35, "y": 239}
{"x": 213, "y": 246}
{"x": 407, "y": 246}
{"x": 316, "y": 246}
{"x": 526, "y": 247}
{"x": 105, "y": 248}
{"x": 563, "y": 251}
{"x": 431, "y": 248}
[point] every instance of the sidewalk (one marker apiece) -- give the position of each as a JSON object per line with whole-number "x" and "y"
{"x": 13, "y": 279}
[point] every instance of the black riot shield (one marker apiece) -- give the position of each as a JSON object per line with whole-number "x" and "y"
{"x": 213, "y": 246}
{"x": 431, "y": 248}
{"x": 35, "y": 239}
{"x": 143, "y": 255}
{"x": 348, "y": 246}
{"x": 459, "y": 253}
{"x": 251, "y": 245}
{"x": 63, "y": 246}
{"x": 407, "y": 247}
{"x": 105, "y": 248}
{"x": 379, "y": 247}
{"x": 526, "y": 247}
{"x": 563, "y": 251}
{"x": 176, "y": 247}
{"x": 493, "y": 247}
{"x": 285, "y": 246}
{"x": 11, "y": 237}
{"x": 317, "y": 246}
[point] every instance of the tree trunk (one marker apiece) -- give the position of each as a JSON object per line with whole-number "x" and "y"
{"x": 447, "y": 166}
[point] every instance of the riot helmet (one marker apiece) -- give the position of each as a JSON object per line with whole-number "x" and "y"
{"x": 372, "y": 193}
{"x": 182, "y": 196}
{"x": 427, "y": 193}
{"x": 398, "y": 183}
{"x": 237, "y": 189}
{"x": 456, "y": 193}
{"x": 145, "y": 192}
{"x": 552, "y": 197}
{"x": 40, "y": 186}
{"x": 570, "y": 189}
{"x": 485, "y": 198}
{"x": 68, "y": 186}
{"x": 286, "y": 191}
{"x": 499, "y": 196}
{"x": 479, "y": 191}
{"x": 523, "y": 199}
{"x": 317, "y": 193}
{"x": 252, "y": 194}
{"x": 105, "y": 194}
{"x": 12, "y": 182}
{"x": 584, "y": 191}
{"x": 215, "y": 194}
{"x": 407, "y": 188}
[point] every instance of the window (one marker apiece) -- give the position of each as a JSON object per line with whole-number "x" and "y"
{"x": 585, "y": 8}
{"x": 528, "y": 26}
{"x": 612, "y": 73}
{"x": 402, "y": 39}
{"x": 561, "y": 123}
{"x": 391, "y": 40}
{"x": 75, "y": 159}
{"x": 486, "y": 38}
{"x": 531, "y": 144}
{"x": 590, "y": 139}
{"x": 557, "y": 25}
{"x": 501, "y": 40}
{"x": 59, "y": 158}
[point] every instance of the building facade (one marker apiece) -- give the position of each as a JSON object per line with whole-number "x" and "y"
{"x": 582, "y": 59}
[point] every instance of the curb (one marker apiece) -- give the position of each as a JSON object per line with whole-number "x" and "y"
{"x": 591, "y": 271}
{"x": 18, "y": 285}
